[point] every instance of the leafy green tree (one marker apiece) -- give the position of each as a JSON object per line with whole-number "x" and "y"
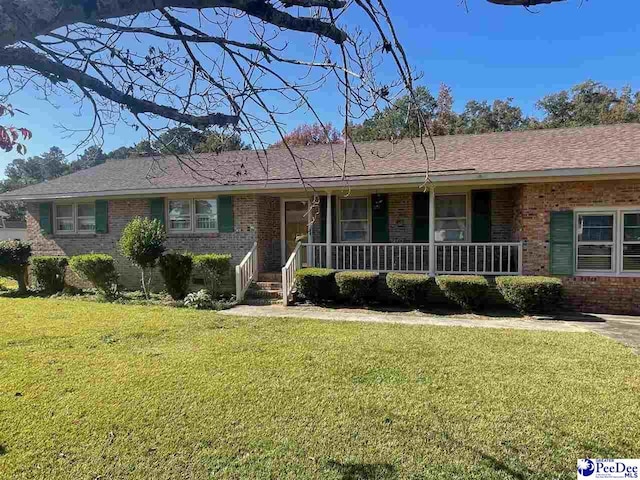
{"x": 216, "y": 142}
{"x": 91, "y": 157}
{"x": 142, "y": 242}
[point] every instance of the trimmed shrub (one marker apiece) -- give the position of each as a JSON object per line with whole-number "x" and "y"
{"x": 213, "y": 267}
{"x": 99, "y": 270}
{"x": 413, "y": 289}
{"x": 357, "y": 286}
{"x": 176, "y": 271}
{"x": 318, "y": 285}
{"x": 531, "y": 294}
{"x": 14, "y": 260}
{"x": 468, "y": 291}
{"x": 142, "y": 242}
{"x": 49, "y": 273}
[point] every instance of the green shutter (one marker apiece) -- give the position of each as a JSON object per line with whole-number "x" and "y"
{"x": 102, "y": 223}
{"x": 46, "y": 225}
{"x": 157, "y": 209}
{"x": 225, "y": 214}
{"x": 380, "y": 217}
{"x": 561, "y": 253}
{"x": 481, "y": 216}
{"x": 421, "y": 217}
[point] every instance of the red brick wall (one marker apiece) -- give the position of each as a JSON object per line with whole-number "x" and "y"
{"x": 269, "y": 245}
{"x": 502, "y": 206}
{"x": 237, "y": 243}
{"x": 533, "y": 204}
{"x": 401, "y": 217}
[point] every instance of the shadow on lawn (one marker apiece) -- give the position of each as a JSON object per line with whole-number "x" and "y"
{"x": 361, "y": 471}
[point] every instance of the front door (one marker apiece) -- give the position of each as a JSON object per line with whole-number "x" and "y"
{"x": 295, "y": 224}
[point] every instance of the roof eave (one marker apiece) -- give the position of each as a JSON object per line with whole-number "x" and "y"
{"x": 533, "y": 176}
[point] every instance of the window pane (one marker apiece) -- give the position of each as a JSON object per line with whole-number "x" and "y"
{"x": 65, "y": 225}
{"x": 595, "y": 228}
{"x": 354, "y": 231}
{"x": 451, "y": 206}
{"x": 179, "y": 207}
{"x": 86, "y": 224}
{"x": 595, "y": 257}
{"x": 86, "y": 210}
{"x": 354, "y": 208}
{"x": 64, "y": 211}
{"x": 450, "y": 230}
{"x": 632, "y": 227}
{"x": 206, "y": 222}
{"x": 206, "y": 207}
{"x": 180, "y": 223}
{"x": 631, "y": 257}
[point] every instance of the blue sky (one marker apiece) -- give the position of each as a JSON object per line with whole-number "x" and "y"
{"x": 489, "y": 52}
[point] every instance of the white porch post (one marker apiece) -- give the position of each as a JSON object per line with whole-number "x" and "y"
{"x": 432, "y": 231}
{"x": 329, "y": 231}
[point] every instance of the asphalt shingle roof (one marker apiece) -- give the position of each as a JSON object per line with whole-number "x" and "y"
{"x": 536, "y": 150}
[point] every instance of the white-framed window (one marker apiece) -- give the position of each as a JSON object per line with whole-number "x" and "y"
{"x": 608, "y": 241}
{"x": 630, "y": 242}
{"x": 207, "y": 215}
{"x": 451, "y": 218}
{"x": 192, "y": 215}
{"x": 596, "y": 236}
{"x": 179, "y": 215}
{"x": 354, "y": 219}
{"x": 75, "y": 218}
{"x": 86, "y": 217}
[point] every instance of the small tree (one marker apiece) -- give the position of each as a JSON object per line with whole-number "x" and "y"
{"x": 14, "y": 260}
{"x": 142, "y": 242}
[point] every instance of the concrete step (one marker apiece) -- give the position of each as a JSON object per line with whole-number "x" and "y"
{"x": 268, "y": 285}
{"x": 263, "y": 301}
{"x": 260, "y": 291}
{"x": 270, "y": 277}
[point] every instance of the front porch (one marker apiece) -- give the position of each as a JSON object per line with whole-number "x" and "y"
{"x": 448, "y": 231}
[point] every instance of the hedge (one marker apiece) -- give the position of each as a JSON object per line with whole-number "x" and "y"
{"x": 411, "y": 288}
{"x": 49, "y": 273}
{"x": 318, "y": 285}
{"x": 531, "y": 294}
{"x": 14, "y": 260}
{"x": 357, "y": 286}
{"x": 99, "y": 270}
{"x": 213, "y": 267}
{"x": 468, "y": 291}
{"x": 176, "y": 271}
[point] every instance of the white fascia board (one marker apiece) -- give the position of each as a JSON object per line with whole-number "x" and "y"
{"x": 412, "y": 181}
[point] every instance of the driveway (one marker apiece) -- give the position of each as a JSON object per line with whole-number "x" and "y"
{"x": 624, "y": 329}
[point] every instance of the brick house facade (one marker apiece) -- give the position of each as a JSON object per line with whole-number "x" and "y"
{"x": 550, "y": 202}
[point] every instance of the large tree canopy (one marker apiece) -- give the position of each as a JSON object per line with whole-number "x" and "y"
{"x": 226, "y": 64}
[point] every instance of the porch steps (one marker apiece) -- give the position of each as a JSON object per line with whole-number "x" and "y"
{"x": 267, "y": 290}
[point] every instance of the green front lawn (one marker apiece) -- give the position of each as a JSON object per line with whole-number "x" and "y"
{"x": 90, "y": 390}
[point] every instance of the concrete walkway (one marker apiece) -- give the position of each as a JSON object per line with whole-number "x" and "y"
{"x": 624, "y": 329}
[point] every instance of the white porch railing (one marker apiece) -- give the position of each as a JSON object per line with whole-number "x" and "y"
{"x": 503, "y": 258}
{"x": 380, "y": 257}
{"x": 289, "y": 272}
{"x": 246, "y": 272}
{"x": 479, "y": 258}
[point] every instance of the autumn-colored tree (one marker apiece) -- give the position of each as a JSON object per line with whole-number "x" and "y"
{"x": 314, "y": 134}
{"x": 10, "y": 135}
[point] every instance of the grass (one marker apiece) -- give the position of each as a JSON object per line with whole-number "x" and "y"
{"x": 93, "y": 390}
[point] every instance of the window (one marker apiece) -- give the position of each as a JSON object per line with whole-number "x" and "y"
{"x": 354, "y": 219}
{"x": 193, "y": 215}
{"x": 631, "y": 242}
{"x": 206, "y": 215}
{"x": 595, "y": 245}
{"x": 451, "y": 218}
{"x": 179, "y": 215}
{"x": 86, "y": 217}
{"x": 76, "y": 218}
